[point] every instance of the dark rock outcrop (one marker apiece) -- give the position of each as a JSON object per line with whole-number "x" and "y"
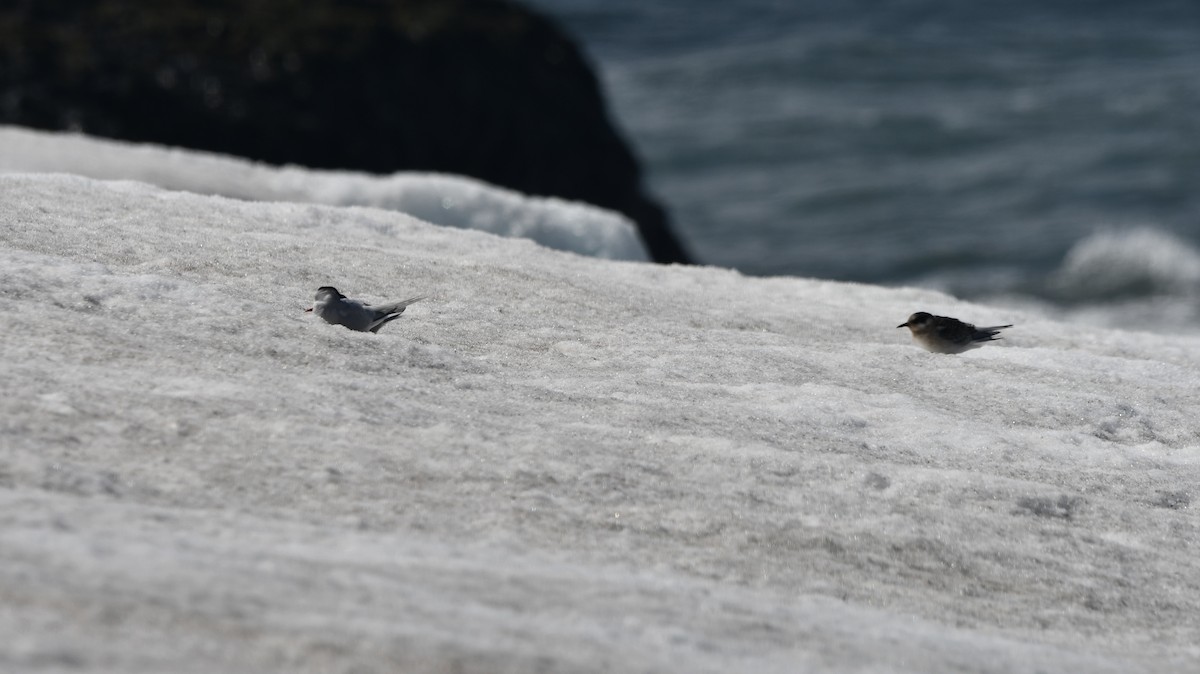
{"x": 483, "y": 88}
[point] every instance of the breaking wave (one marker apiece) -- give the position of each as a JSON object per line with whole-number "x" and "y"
{"x": 1119, "y": 265}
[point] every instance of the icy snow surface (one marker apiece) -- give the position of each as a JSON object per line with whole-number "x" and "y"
{"x": 556, "y": 463}
{"x": 452, "y": 201}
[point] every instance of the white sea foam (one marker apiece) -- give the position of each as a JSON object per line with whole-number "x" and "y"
{"x": 1134, "y": 279}
{"x": 1114, "y": 264}
{"x": 448, "y": 200}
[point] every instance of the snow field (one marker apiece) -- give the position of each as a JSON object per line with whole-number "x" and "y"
{"x": 556, "y": 462}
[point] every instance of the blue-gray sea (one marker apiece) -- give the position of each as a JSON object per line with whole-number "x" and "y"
{"x": 1042, "y": 154}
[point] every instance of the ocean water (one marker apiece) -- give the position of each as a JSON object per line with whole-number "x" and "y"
{"x": 1037, "y": 154}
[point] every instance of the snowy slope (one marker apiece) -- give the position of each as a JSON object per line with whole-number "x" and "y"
{"x": 448, "y": 200}
{"x": 556, "y": 463}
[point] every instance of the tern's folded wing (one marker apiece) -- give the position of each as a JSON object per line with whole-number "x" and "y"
{"x": 394, "y": 307}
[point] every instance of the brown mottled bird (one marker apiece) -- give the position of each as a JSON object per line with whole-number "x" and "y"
{"x": 942, "y": 334}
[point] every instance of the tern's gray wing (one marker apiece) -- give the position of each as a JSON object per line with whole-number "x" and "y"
{"x": 349, "y": 313}
{"x": 382, "y": 314}
{"x": 394, "y": 307}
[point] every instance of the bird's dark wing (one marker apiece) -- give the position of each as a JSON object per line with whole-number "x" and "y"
{"x": 988, "y": 334}
{"x": 955, "y": 331}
